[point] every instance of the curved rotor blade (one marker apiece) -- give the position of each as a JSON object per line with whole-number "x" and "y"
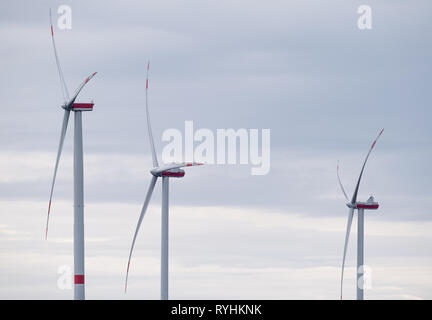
{"x": 176, "y": 166}
{"x": 354, "y": 198}
{"x": 155, "y": 161}
{"x": 64, "y": 89}
{"x": 81, "y": 86}
{"x": 60, "y": 148}
{"x": 143, "y": 211}
{"x": 340, "y": 183}
{"x": 350, "y": 218}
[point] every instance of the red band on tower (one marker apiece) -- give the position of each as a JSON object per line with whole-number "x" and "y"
{"x": 79, "y": 279}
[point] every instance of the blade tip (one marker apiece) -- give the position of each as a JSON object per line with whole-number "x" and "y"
{"x": 127, "y": 275}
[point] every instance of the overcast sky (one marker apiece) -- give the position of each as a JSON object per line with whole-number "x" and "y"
{"x": 302, "y": 69}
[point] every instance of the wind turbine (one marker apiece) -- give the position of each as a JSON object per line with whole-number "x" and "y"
{"x": 165, "y": 172}
{"x": 353, "y": 204}
{"x": 69, "y": 105}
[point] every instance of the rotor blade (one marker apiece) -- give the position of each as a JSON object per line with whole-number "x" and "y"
{"x": 64, "y": 89}
{"x": 155, "y": 161}
{"x": 176, "y": 166}
{"x": 340, "y": 183}
{"x": 81, "y": 86}
{"x": 354, "y": 198}
{"x": 143, "y": 211}
{"x": 350, "y": 218}
{"x": 62, "y": 137}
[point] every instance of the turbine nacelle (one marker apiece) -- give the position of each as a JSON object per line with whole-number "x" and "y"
{"x": 172, "y": 173}
{"x": 82, "y": 106}
{"x": 76, "y": 106}
{"x": 173, "y": 170}
{"x": 370, "y": 204}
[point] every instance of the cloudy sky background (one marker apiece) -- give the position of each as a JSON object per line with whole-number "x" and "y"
{"x": 301, "y": 68}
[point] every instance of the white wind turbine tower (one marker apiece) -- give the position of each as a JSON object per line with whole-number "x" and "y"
{"x": 68, "y": 106}
{"x": 165, "y": 172}
{"x": 353, "y": 204}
